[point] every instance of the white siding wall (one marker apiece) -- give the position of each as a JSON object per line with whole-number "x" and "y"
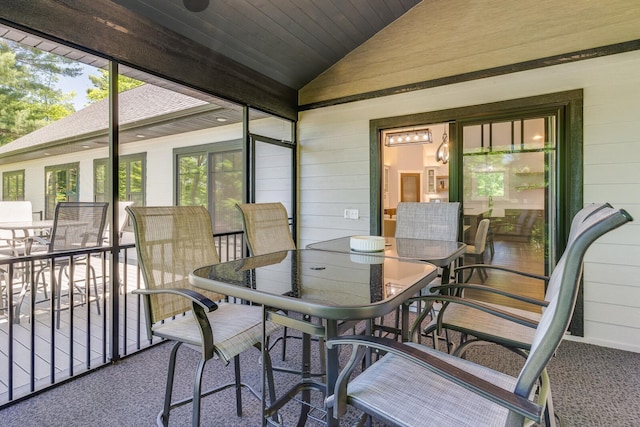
{"x": 160, "y": 175}
{"x": 273, "y": 174}
{"x": 334, "y": 171}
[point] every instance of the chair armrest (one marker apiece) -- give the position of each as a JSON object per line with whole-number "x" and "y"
{"x": 475, "y": 304}
{"x": 201, "y": 306}
{"x": 478, "y": 305}
{"x": 195, "y": 297}
{"x": 37, "y": 239}
{"x": 477, "y": 385}
{"x": 462, "y": 286}
{"x": 28, "y": 242}
{"x": 506, "y": 269}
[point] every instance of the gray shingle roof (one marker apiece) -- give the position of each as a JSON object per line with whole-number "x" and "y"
{"x": 137, "y": 104}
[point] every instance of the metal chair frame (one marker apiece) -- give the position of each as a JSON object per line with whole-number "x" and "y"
{"x": 171, "y": 241}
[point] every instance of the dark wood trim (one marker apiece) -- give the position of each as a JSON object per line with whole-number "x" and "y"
{"x": 572, "y": 189}
{"x": 375, "y": 177}
{"x": 481, "y": 74}
{"x": 113, "y": 32}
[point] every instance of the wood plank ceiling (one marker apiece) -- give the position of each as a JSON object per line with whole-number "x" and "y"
{"x": 290, "y": 41}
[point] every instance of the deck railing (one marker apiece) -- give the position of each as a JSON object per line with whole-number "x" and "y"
{"x": 43, "y": 344}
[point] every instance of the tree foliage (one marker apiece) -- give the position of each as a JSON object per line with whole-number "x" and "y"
{"x": 29, "y": 97}
{"x": 101, "y": 83}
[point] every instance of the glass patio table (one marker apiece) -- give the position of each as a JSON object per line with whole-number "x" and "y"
{"x": 439, "y": 252}
{"x": 331, "y": 286}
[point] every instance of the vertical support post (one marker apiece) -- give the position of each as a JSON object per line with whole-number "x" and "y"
{"x": 114, "y": 283}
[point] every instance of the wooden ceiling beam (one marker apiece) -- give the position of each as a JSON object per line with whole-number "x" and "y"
{"x": 115, "y": 33}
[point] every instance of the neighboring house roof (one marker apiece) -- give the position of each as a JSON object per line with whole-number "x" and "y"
{"x": 135, "y": 105}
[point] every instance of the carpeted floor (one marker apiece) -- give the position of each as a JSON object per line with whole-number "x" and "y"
{"x": 592, "y": 386}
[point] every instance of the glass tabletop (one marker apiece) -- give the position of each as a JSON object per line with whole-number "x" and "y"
{"x": 325, "y": 284}
{"x": 438, "y": 252}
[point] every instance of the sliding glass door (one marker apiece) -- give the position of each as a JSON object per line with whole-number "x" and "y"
{"x": 509, "y": 177}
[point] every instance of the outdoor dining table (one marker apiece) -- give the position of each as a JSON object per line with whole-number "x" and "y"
{"x": 439, "y": 252}
{"x": 26, "y": 227}
{"x": 21, "y": 245}
{"x": 331, "y": 286}
{"x": 442, "y": 253}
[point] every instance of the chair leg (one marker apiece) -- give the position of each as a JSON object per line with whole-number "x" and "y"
{"x": 163, "y": 417}
{"x": 44, "y": 283}
{"x": 270, "y": 381}
{"x": 197, "y": 393}
{"x": 95, "y": 287}
{"x": 284, "y": 343}
{"x": 4, "y": 289}
{"x": 481, "y": 271}
{"x": 57, "y": 285}
{"x": 236, "y": 365}
{"x": 470, "y": 274}
{"x": 478, "y": 259}
{"x": 23, "y": 293}
{"x": 92, "y": 276}
{"x": 490, "y": 243}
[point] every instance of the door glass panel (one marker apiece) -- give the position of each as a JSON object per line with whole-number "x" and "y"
{"x": 517, "y": 133}
{"x": 472, "y": 137}
{"x": 193, "y": 179}
{"x": 100, "y": 170}
{"x": 226, "y": 188}
{"x": 501, "y": 136}
{"x": 130, "y": 179}
{"x": 61, "y": 186}
{"x": 509, "y": 171}
{"x": 132, "y": 183}
{"x": 534, "y": 133}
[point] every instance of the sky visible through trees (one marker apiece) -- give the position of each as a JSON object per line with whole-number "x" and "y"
{"x": 38, "y": 88}
{"x": 29, "y": 97}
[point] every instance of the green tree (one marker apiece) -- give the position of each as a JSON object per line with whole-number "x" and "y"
{"x": 101, "y": 83}
{"x": 29, "y": 98}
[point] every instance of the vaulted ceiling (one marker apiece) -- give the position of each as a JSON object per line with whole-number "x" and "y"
{"x": 253, "y": 52}
{"x": 290, "y": 41}
{"x": 284, "y": 56}
{"x": 249, "y": 45}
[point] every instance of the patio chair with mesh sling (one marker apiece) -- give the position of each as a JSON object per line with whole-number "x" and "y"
{"x": 172, "y": 241}
{"x": 417, "y": 385}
